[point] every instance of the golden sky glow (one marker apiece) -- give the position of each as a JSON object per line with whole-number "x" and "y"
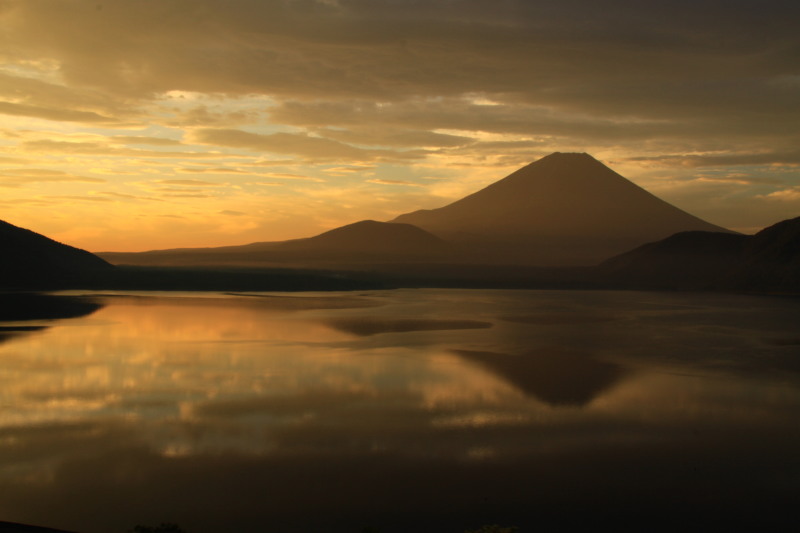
{"x": 133, "y": 125}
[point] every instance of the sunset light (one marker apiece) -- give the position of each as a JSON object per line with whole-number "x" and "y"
{"x": 395, "y": 266}
{"x": 129, "y": 126}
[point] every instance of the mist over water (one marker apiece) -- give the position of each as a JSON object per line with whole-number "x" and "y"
{"x": 410, "y": 410}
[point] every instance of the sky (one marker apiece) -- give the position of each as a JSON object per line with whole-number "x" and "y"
{"x": 130, "y": 125}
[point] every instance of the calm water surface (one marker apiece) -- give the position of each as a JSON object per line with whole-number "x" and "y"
{"x": 412, "y": 410}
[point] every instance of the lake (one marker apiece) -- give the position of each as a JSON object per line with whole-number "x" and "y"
{"x": 406, "y": 410}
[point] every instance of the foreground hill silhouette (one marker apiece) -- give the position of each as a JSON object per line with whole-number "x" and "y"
{"x": 564, "y": 209}
{"x": 31, "y": 260}
{"x": 766, "y": 261}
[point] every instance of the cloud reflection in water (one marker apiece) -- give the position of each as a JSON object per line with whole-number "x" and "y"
{"x": 253, "y": 413}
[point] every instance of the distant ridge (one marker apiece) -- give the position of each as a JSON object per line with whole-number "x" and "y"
{"x": 689, "y": 258}
{"x": 370, "y": 237}
{"x": 770, "y": 259}
{"x": 564, "y": 209}
{"x": 31, "y": 260}
{"x": 364, "y": 241}
{"x": 766, "y": 261}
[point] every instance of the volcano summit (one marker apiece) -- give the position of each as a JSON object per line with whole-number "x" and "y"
{"x": 564, "y": 209}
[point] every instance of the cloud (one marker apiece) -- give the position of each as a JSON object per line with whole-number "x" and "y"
{"x": 738, "y": 179}
{"x": 289, "y": 176}
{"x": 13, "y": 161}
{"x": 206, "y": 116}
{"x": 265, "y": 184}
{"x": 394, "y": 182}
{"x": 156, "y": 141}
{"x": 727, "y": 159}
{"x": 393, "y": 138}
{"x": 80, "y": 198}
{"x": 192, "y": 183}
{"x": 303, "y": 145}
{"x": 29, "y": 96}
{"x": 463, "y": 121}
{"x": 178, "y": 192}
{"x": 574, "y": 54}
{"x": 348, "y": 170}
{"x": 784, "y": 195}
{"x": 18, "y": 177}
{"x": 102, "y": 149}
{"x": 68, "y": 115}
{"x": 212, "y": 170}
{"x": 621, "y": 71}
{"x": 121, "y": 196}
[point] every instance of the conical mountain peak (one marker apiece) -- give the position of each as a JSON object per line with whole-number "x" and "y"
{"x": 561, "y": 157}
{"x": 565, "y": 208}
{"x": 566, "y": 168}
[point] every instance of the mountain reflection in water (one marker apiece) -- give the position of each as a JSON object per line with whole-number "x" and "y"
{"x": 553, "y": 376}
{"x": 19, "y": 309}
{"x": 423, "y": 410}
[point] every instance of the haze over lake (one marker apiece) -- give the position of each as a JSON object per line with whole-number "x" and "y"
{"x": 409, "y": 410}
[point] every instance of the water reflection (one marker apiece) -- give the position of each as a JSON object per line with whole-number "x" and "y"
{"x": 365, "y": 326}
{"x": 406, "y": 410}
{"x": 19, "y": 309}
{"x": 9, "y": 332}
{"x": 19, "y": 306}
{"x": 553, "y": 376}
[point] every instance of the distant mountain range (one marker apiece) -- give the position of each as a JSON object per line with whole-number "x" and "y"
{"x": 562, "y": 210}
{"x": 362, "y": 242}
{"x": 561, "y": 221}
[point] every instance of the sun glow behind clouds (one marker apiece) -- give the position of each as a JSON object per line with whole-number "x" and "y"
{"x": 271, "y": 101}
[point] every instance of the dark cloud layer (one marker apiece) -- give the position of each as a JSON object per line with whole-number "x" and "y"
{"x": 67, "y": 115}
{"x": 575, "y": 68}
{"x": 294, "y": 144}
{"x": 603, "y": 58}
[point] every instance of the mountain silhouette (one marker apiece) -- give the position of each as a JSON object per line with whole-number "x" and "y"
{"x": 564, "y": 209}
{"x": 684, "y": 260}
{"x": 770, "y": 260}
{"x": 363, "y": 241}
{"x": 370, "y": 237}
{"x": 31, "y": 260}
{"x": 766, "y": 261}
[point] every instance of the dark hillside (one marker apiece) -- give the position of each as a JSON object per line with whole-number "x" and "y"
{"x": 31, "y": 260}
{"x": 768, "y": 261}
